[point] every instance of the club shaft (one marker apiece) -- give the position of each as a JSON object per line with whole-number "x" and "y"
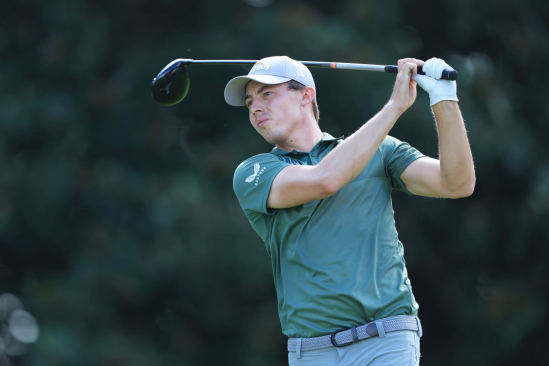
{"x": 446, "y": 74}
{"x": 330, "y": 65}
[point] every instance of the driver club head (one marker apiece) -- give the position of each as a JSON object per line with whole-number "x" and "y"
{"x": 171, "y": 85}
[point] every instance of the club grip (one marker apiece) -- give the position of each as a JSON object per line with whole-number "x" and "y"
{"x": 449, "y": 74}
{"x": 446, "y": 74}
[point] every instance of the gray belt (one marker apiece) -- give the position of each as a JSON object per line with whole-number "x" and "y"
{"x": 347, "y": 336}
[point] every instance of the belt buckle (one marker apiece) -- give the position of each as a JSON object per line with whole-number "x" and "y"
{"x": 333, "y": 339}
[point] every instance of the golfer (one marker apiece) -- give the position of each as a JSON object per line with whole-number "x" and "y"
{"x": 322, "y": 205}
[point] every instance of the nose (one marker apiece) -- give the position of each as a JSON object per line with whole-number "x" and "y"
{"x": 256, "y": 107}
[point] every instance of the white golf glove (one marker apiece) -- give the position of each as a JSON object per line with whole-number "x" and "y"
{"x": 438, "y": 89}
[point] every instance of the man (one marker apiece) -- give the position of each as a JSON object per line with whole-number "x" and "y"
{"x": 323, "y": 208}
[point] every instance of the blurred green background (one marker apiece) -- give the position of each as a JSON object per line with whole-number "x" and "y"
{"x": 119, "y": 229}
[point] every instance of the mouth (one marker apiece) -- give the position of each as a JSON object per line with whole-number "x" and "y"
{"x": 261, "y": 122}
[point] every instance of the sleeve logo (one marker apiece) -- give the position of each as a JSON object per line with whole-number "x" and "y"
{"x": 251, "y": 178}
{"x": 256, "y": 174}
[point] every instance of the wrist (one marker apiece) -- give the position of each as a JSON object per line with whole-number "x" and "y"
{"x": 393, "y": 109}
{"x": 445, "y": 90}
{"x": 445, "y": 106}
{"x": 438, "y": 99}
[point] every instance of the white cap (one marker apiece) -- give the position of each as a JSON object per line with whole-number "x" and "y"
{"x": 270, "y": 70}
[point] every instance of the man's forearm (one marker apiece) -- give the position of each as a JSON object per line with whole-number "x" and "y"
{"x": 344, "y": 163}
{"x": 456, "y": 161}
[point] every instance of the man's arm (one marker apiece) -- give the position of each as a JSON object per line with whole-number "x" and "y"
{"x": 453, "y": 175}
{"x": 296, "y": 185}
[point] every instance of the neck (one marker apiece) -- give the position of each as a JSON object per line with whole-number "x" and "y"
{"x": 303, "y": 139}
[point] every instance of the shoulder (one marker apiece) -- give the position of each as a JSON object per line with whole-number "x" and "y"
{"x": 390, "y": 141}
{"x": 261, "y": 157}
{"x": 253, "y": 179}
{"x": 388, "y": 147}
{"x": 256, "y": 167}
{"x": 257, "y": 160}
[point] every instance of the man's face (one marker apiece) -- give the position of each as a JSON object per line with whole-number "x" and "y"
{"x": 274, "y": 110}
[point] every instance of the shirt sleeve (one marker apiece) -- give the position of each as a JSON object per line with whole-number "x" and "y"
{"x": 397, "y": 155}
{"x": 253, "y": 180}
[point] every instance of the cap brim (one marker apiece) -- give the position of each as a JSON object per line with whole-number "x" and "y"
{"x": 235, "y": 91}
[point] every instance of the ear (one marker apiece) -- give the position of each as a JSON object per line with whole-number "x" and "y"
{"x": 308, "y": 96}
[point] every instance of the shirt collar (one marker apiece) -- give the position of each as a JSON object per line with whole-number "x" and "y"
{"x": 325, "y": 139}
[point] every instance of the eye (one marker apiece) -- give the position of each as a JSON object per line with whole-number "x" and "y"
{"x": 267, "y": 94}
{"x": 249, "y": 104}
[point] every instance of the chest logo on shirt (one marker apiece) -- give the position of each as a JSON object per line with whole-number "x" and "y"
{"x": 256, "y": 175}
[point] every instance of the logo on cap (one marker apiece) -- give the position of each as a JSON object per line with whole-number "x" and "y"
{"x": 260, "y": 66}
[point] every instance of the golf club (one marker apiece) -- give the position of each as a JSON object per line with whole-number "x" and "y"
{"x": 171, "y": 85}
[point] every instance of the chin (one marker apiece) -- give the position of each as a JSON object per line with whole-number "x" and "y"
{"x": 274, "y": 137}
{"x": 280, "y": 134}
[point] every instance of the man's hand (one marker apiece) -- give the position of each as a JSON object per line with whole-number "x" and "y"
{"x": 438, "y": 90}
{"x": 404, "y": 91}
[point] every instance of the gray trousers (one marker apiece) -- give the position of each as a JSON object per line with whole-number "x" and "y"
{"x": 399, "y": 348}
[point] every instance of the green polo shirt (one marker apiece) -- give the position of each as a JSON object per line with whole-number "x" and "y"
{"x": 336, "y": 262}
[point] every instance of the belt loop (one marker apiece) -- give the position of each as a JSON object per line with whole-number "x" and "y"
{"x": 380, "y": 329}
{"x": 354, "y": 333}
{"x": 420, "y": 329}
{"x": 298, "y": 348}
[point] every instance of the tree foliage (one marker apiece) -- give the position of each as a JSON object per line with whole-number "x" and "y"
{"x": 119, "y": 228}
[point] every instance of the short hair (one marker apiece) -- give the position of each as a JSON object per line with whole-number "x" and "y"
{"x": 295, "y": 85}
